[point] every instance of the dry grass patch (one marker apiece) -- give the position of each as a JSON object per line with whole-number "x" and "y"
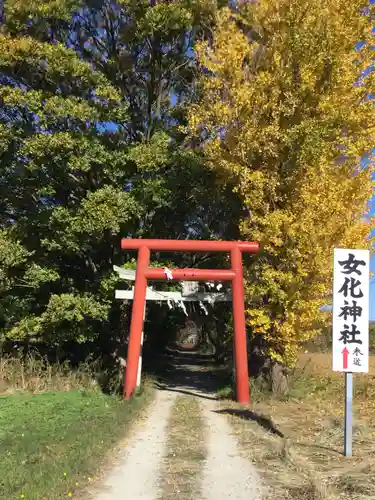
{"x": 183, "y": 464}
{"x": 297, "y": 443}
{"x": 33, "y": 373}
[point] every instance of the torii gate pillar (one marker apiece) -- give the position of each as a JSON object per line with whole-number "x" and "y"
{"x": 235, "y": 275}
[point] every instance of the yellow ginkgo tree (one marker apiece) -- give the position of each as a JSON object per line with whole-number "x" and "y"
{"x": 285, "y": 116}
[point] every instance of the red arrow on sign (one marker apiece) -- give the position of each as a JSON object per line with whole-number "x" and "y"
{"x": 345, "y": 353}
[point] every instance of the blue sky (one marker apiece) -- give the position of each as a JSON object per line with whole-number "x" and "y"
{"x": 372, "y": 269}
{"x": 372, "y": 261}
{"x": 372, "y": 293}
{"x": 372, "y": 288}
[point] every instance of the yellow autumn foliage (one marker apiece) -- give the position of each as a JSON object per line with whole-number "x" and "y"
{"x": 284, "y": 116}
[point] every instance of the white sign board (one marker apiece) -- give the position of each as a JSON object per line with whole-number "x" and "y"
{"x": 350, "y": 342}
{"x": 189, "y": 288}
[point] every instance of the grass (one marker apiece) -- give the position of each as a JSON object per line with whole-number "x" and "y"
{"x": 56, "y": 427}
{"x": 185, "y": 451}
{"x": 52, "y": 442}
{"x": 35, "y": 374}
{"x": 297, "y": 442}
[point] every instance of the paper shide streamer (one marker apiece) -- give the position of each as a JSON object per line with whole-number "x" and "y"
{"x": 168, "y": 273}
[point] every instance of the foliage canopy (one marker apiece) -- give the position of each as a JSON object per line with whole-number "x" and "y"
{"x": 111, "y": 125}
{"x": 91, "y": 96}
{"x": 285, "y": 117}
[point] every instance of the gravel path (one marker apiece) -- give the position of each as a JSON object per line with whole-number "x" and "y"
{"x": 136, "y": 474}
{"x": 226, "y": 473}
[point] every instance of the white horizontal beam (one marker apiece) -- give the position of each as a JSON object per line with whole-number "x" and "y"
{"x": 126, "y": 274}
{"x": 176, "y": 296}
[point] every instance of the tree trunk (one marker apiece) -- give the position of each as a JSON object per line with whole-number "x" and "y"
{"x": 279, "y": 379}
{"x": 260, "y": 365}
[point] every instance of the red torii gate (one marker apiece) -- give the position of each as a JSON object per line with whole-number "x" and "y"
{"x": 144, "y": 273}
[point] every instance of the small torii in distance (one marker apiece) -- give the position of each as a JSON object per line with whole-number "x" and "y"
{"x": 190, "y": 293}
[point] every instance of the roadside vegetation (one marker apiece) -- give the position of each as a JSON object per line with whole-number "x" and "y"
{"x": 296, "y": 441}
{"x": 56, "y": 428}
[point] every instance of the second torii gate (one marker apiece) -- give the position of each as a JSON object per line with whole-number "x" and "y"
{"x": 190, "y": 293}
{"x": 144, "y": 273}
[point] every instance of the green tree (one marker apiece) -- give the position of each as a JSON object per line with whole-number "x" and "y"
{"x": 92, "y": 95}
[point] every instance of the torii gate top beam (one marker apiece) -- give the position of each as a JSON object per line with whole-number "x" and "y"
{"x": 189, "y": 245}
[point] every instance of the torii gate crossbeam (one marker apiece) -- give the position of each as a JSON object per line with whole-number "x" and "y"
{"x": 235, "y": 275}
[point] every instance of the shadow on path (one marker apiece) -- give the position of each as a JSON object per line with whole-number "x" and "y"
{"x": 245, "y": 414}
{"x": 166, "y": 387}
{"x": 193, "y": 373}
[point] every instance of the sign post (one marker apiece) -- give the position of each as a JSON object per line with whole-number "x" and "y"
{"x": 350, "y": 324}
{"x": 348, "y": 426}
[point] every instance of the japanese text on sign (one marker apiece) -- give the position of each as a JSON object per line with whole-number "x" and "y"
{"x": 350, "y": 343}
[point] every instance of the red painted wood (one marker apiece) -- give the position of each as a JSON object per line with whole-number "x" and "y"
{"x": 157, "y": 273}
{"x": 190, "y": 245}
{"x": 240, "y": 338}
{"x": 136, "y": 325}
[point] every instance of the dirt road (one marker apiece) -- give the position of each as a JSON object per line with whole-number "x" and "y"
{"x": 220, "y": 472}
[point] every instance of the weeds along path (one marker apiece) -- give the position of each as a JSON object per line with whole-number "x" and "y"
{"x": 202, "y": 460}
{"x": 185, "y": 453}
